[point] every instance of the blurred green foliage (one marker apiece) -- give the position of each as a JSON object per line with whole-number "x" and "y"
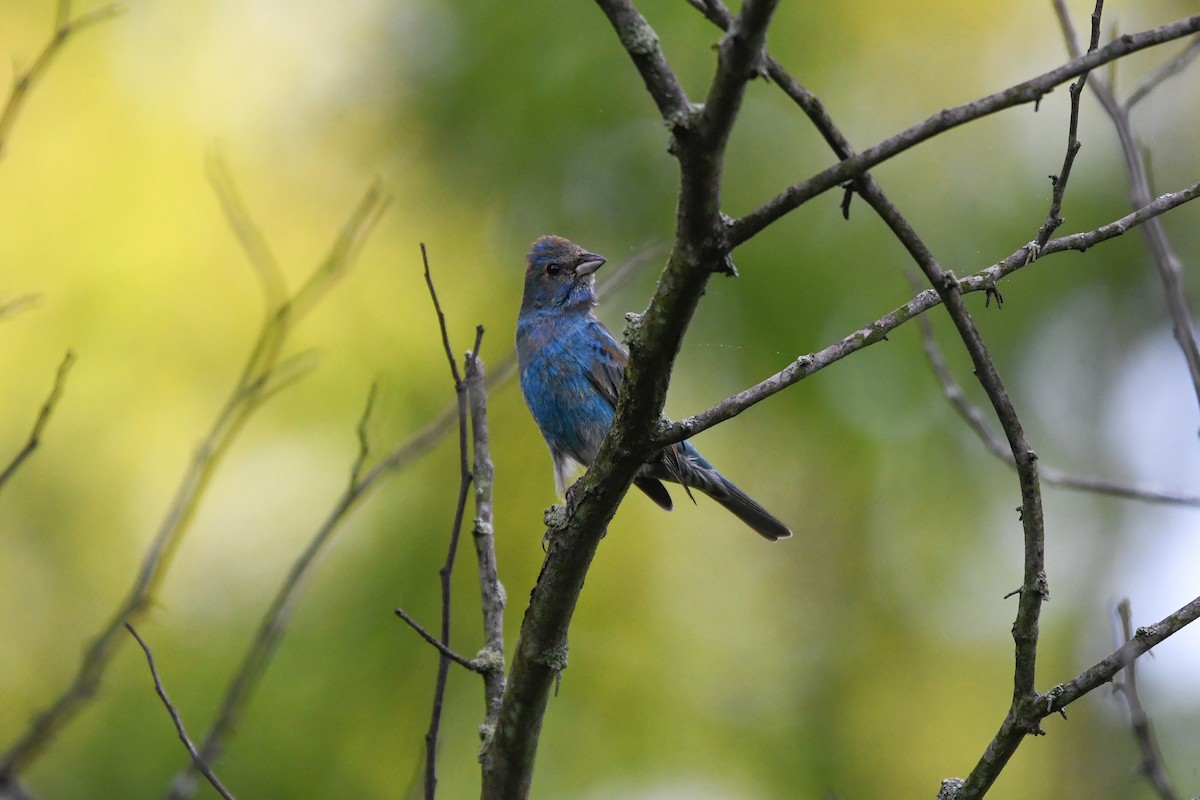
{"x": 867, "y": 657}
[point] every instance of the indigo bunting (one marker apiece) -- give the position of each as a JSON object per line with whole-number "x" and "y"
{"x": 571, "y": 368}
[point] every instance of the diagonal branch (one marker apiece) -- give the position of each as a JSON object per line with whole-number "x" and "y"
{"x": 983, "y": 281}
{"x": 64, "y": 28}
{"x": 1028, "y": 92}
{"x": 641, "y": 43}
{"x": 39, "y": 424}
{"x": 975, "y": 420}
{"x": 204, "y": 769}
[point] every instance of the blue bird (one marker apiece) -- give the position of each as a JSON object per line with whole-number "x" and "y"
{"x": 571, "y": 368}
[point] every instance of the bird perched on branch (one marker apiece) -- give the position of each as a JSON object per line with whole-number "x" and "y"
{"x": 571, "y": 369}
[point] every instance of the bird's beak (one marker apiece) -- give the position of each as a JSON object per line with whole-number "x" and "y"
{"x": 589, "y": 263}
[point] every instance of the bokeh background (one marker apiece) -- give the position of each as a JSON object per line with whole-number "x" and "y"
{"x": 868, "y": 657}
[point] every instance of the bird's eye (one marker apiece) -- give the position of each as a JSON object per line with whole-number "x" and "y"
{"x": 553, "y": 269}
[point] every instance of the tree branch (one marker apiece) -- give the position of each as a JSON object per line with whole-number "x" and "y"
{"x": 39, "y": 424}
{"x": 641, "y": 43}
{"x": 877, "y": 331}
{"x": 1170, "y": 270}
{"x": 64, "y": 28}
{"x": 204, "y": 769}
{"x": 1152, "y": 763}
{"x": 975, "y": 420}
{"x": 654, "y": 341}
{"x": 447, "y": 570}
{"x": 491, "y": 591}
{"x": 1030, "y": 91}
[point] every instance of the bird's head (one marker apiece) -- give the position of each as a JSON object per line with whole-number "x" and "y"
{"x": 559, "y": 273}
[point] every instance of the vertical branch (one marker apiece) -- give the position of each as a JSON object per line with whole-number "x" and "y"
{"x": 1170, "y": 270}
{"x": 1152, "y": 763}
{"x": 447, "y": 570}
{"x": 491, "y": 591}
{"x": 1059, "y": 181}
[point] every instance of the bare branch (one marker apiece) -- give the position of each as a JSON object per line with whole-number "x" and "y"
{"x": 1170, "y": 270}
{"x": 975, "y": 420}
{"x": 13, "y": 307}
{"x": 490, "y": 589}
{"x": 258, "y": 251}
{"x": 64, "y": 29}
{"x": 204, "y": 769}
{"x": 877, "y": 331}
{"x": 1171, "y": 68}
{"x": 39, "y": 424}
{"x": 437, "y": 644}
{"x": 447, "y": 570}
{"x": 278, "y": 616}
{"x": 1028, "y": 716}
{"x": 1105, "y": 670}
{"x": 1152, "y": 763}
{"x": 641, "y": 42}
{"x": 1028, "y": 92}
{"x": 1059, "y": 182}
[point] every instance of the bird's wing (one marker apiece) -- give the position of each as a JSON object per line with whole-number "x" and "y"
{"x": 608, "y": 362}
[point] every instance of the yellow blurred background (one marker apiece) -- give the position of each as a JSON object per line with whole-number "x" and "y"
{"x": 869, "y": 656}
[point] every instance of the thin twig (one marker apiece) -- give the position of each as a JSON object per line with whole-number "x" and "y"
{"x": 1059, "y": 182}
{"x": 64, "y": 28}
{"x": 278, "y": 616}
{"x": 17, "y": 305}
{"x": 1171, "y": 68}
{"x": 447, "y": 570}
{"x": 39, "y": 424}
{"x": 1170, "y": 270}
{"x": 437, "y": 643}
{"x": 1152, "y": 762}
{"x": 978, "y": 424}
{"x": 204, "y": 769}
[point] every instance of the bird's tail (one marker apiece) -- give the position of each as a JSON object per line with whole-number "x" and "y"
{"x": 745, "y": 508}
{"x": 683, "y": 464}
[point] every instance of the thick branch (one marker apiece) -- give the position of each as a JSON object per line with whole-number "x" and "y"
{"x": 653, "y": 343}
{"x": 641, "y": 43}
